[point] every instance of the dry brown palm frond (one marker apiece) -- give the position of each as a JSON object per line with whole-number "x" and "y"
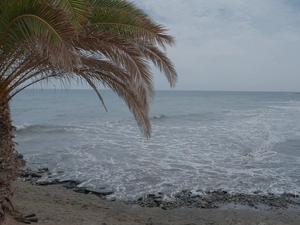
{"x": 94, "y": 71}
{"x": 122, "y": 52}
{"x": 122, "y": 85}
{"x": 132, "y": 99}
{"x": 160, "y": 60}
{"x": 63, "y": 55}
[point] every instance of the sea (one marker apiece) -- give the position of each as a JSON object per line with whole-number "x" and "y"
{"x": 201, "y": 141}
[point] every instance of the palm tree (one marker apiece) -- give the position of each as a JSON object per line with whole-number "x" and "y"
{"x": 108, "y": 43}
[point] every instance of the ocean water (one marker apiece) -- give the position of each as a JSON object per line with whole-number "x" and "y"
{"x": 237, "y": 141}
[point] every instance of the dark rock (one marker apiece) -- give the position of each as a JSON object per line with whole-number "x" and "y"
{"x": 202, "y": 202}
{"x": 23, "y": 162}
{"x": 164, "y": 207}
{"x": 80, "y": 190}
{"x": 77, "y": 182}
{"x": 217, "y": 205}
{"x": 33, "y": 219}
{"x": 38, "y": 170}
{"x": 26, "y": 173}
{"x": 46, "y": 169}
{"x": 20, "y": 156}
{"x": 158, "y": 200}
{"x": 36, "y": 175}
{"x": 23, "y": 220}
{"x": 43, "y": 182}
{"x": 151, "y": 195}
{"x": 220, "y": 192}
{"x": 55, "y": 181}
{"x": 70, "y": 184}
{"x": 205, "y": 197}
{"x": 100, "y": 191}
{"x": 29, "y": 215}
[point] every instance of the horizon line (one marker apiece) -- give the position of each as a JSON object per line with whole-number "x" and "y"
{"x": 171, "y": 89}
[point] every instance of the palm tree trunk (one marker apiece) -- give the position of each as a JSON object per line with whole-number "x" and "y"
{"x": 9, "y": 162}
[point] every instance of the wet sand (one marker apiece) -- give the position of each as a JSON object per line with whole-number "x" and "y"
{"x": 55, "y": 205}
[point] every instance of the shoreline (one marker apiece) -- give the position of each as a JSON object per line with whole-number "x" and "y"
{"x": 185, "y": 198}
{"x": 56, "y": 205}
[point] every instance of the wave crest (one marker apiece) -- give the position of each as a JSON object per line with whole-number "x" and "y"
{"x": 33, "y": 128}
{"x": 162, "y": 116}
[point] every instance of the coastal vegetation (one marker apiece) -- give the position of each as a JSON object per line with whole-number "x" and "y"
{"x": 104, "y": 43}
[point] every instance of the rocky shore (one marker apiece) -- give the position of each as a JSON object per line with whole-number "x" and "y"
{"x": 217, "y": 199}
{"x": 35, "y": 177}
{"x": 56, "y": 205}
{"x": 41, "y": 199}
{"x": 183, "y": 199}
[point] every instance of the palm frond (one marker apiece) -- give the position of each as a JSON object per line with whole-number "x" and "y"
{"x": 125, "y": 18}
{"x": 161, "y": 61}
{"x": 122, "y": 52}
{"x": 134, "y": 100}
{"x": 41, "y": 25}
{"x": 76, "y": 9}
{"x": 107, "y": 43}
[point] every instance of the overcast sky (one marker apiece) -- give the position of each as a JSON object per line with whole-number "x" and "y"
{"x": 234, "y": 45}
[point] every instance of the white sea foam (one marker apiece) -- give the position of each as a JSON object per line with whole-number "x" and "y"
{"x": 23, "y": 127}
{"x": 226, "y": 145}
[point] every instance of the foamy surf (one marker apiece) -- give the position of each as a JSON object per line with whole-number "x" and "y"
{"x": 200, "y": 141}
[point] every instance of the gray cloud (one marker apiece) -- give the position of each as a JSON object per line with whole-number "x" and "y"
{"x": 231, "y": 44}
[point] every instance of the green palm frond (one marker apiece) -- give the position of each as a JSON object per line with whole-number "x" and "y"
{"x": 105, "y": 43}
{"x": 46, "y": 27}
{"x": 125, "y": 18}
{"x": 28, "y": 18}
{"x": 76, "y": 9}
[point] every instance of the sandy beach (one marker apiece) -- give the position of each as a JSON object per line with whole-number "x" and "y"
{"x": 55, "y": 205}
